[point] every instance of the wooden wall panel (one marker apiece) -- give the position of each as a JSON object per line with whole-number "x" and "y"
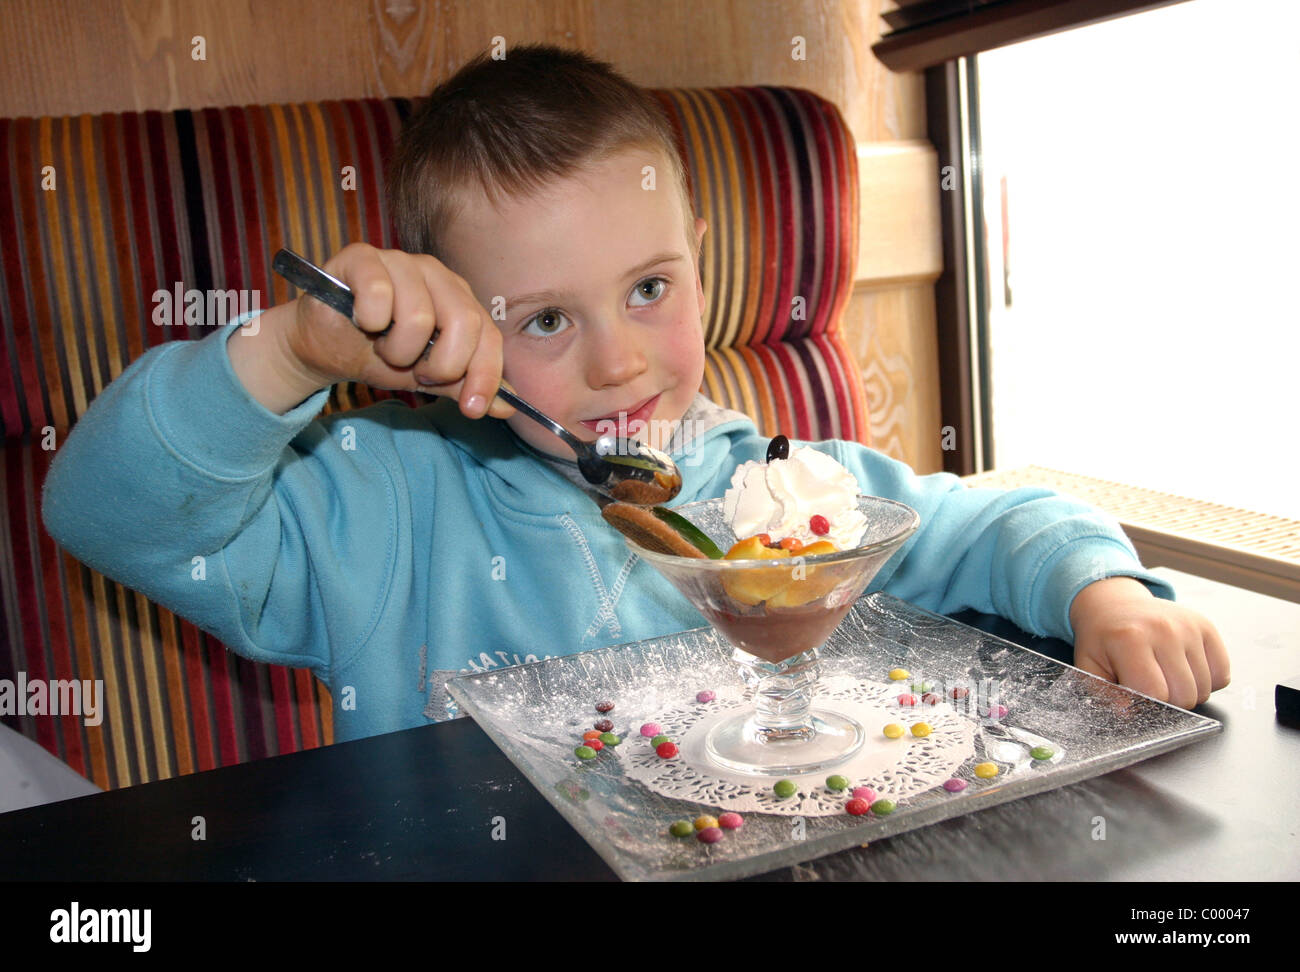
{"x": 90, "y": 56}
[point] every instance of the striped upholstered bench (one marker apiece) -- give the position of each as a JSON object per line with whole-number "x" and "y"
{"x": 104, "y": 211}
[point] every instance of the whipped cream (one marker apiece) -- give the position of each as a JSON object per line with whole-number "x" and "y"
{"x": 780, "y": 497}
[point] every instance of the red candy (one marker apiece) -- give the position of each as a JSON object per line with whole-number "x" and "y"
{"x": 857, "y": 806}
{"x": 929, "y": 698}
{"x": 667, "y": 750}
{"x": 959, "y": 693}
{"x": 907, "y": 700}
{"x": 819, "y": 525}
{"x": 730, "y": 821}
{"x": 596, "y": 744}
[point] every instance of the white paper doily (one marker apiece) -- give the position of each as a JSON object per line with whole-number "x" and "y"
{"x": 894, "y": 768}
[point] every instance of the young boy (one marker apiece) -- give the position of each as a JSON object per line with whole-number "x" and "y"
{"x": 389, "y": 548}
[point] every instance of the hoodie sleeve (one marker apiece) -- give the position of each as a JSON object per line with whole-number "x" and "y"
{"x": 1022, "y": 553}
{"x": 178, "y": 483}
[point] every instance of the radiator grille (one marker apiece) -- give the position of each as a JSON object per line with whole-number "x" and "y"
{"x": 1258, "y": 551}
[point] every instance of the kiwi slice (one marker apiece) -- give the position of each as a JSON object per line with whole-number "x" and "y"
{"x": 693, "y": 535}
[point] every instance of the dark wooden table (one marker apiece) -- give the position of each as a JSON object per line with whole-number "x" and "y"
{"x": 423, "y": 804}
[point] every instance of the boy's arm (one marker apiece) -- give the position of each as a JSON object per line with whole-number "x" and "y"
{"x": 1023, "y": 554}
{"x": 179, "y": 484}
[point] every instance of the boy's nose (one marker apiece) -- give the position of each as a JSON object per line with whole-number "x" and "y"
{"x": 615, "y": 357}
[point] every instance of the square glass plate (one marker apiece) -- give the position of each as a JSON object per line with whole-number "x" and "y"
{"x": 538, "y": 712}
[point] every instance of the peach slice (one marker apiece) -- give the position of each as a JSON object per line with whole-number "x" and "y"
{"x": 759, "y": 583}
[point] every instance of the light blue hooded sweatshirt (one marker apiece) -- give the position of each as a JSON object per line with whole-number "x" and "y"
{"x": 390, "y": 547}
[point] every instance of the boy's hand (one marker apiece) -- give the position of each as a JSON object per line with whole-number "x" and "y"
{"x": 1126, "y": 634}
{"x": 423, "y": 300}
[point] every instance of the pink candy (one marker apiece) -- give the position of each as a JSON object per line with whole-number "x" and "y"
{"x": 650, "y": 730}
{"x": 864, "y": 793}
{"x": 995, "y": 711}
{"x": 731, "y": 821}
{"x": 705, "y": 696}
{"x": 955, "y": 785}
{"x": 907, "y": 700}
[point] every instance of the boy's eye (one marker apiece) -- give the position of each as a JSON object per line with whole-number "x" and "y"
{"x": 548, "y": 323}
{"x": 651, "y": 288}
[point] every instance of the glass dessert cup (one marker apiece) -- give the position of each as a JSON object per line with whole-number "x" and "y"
{"x": 776, "y": 614}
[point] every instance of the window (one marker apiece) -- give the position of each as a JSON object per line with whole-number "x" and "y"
{"x": 1144, "y": 326}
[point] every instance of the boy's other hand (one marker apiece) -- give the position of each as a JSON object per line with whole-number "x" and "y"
{"x": 423, "y": 300}
{"x": 1124, "y": 633}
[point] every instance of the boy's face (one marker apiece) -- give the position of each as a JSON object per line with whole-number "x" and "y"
{"x": 603, "y": 302}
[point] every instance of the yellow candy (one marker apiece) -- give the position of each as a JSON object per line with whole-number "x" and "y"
{"x": 920, "y": 729}
{"x": 898, "y": 674}
{"x": 893, "y": 730}
{"x": 705, "y": 821}
{"x": 986, "y": 770}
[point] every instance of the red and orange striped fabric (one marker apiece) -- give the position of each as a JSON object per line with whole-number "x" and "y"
{"x": 100, "y": 212}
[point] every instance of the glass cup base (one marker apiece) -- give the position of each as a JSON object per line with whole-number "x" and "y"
{"x": 823, "y": 740}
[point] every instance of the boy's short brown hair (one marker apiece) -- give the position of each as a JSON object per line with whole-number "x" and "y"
{"x": 508, "y": 127}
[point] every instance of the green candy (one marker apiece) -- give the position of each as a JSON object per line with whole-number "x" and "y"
{"x": 1042, "y": 752}
{"x": 585, "y": 752}
{"x": 609, "y": 739}
{"x": 883, "y": 807}
{"x": 682, "y": 828}
{"x": 658, "y": 741}
{"x": 921, "y": 686}
{"x": 837, "y": 782}
{"x": 784, "y": 788}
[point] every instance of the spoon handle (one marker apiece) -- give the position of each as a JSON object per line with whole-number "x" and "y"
{"x": 542, "y": 419}
{"x": 334, "y": 293}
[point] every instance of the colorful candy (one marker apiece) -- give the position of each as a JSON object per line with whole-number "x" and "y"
{"x": 929, "y": 698}
{"x": 659, "y": 740}
{"x": 864, "y": 793}
{"x": 894, "y": 731}
{"x": 857, "y": 806}
{"x": 883, "y": 807}
{"x": 730, "y": 821}
{"x": 995, "y": 711}
{"x": 681, "y": 828}
{"x": 609, "y": 739}
{"x": 709, "y": 835}
{"x": 837, "y": 782}
{"x": 666, "y": 750}
{"x": 921, "y": 686}
{"x": 604, "y": 725}
{"x": 907, "y": 700}
{"x": 704, "y": 820}
{"x": 819, "y": 525}
{"x": 705, "y": 696}
{"x": 585, "y": 752}
{"x": 986, "y": 771}
{"x": 954, "y": 785}
{"x": 784, "y": 788}
{"x": 604, "y": 706}
{"x": 649, "y": 729}
{"x": 921, "y": 730}
{"x": 595, "y": 744}
{"x": 1042, "y": 752}
{"x": 898, "y": 674}
{"x": 591, "y": 734}
{"x": 959, "y": 693}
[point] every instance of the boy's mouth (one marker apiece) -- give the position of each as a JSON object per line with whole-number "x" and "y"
{"x": 624, "y": 418}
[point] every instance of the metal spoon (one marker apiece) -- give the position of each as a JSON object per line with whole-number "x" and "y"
{"x": 617, "y": 466}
